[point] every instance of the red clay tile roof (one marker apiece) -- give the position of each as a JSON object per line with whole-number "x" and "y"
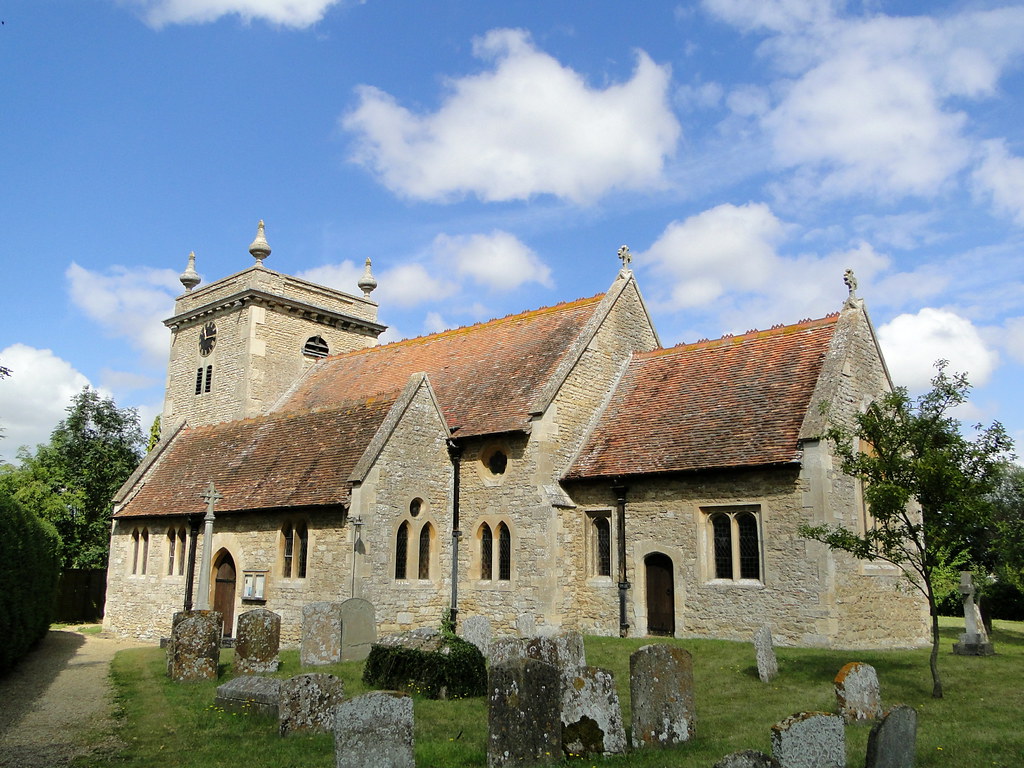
{"x": 285, "y": 459}
{"x": 484, "y": 375}
{"x": 734, "y": 402}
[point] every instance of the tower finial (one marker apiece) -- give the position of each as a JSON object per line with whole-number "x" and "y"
{"x": 851, "y": 282}
{"x": 259, "y": 248}
{"x": 190, "y": 278}
{"x": 366, "y": 282}
{"x": 625, "y": 257}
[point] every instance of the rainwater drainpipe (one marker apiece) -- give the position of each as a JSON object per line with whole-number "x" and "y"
{"x": 193, "y": 524}
{"x": 455, "y": 453}
{"x": 620, "y": 526}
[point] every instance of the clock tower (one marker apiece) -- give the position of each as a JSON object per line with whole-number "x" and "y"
{"x": 239, "y": 343}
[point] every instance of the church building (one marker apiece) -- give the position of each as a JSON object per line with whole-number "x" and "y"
{"x": 556, "y": 468}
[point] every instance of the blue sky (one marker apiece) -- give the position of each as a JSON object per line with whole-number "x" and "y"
{"x": 492, "y": 157}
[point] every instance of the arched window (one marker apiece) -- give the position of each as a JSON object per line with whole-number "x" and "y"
{"x": 316, "y": 347}
{"x": 401, "y": 550}
{"x": 294, "y": 549}
{"x": 140, "y": 551}
{"x": 181, "y": 551}
{"x": 602, "y": 546}
{"x": 504, "y": 553}
{"x": 424, "y": 554}
{"x": 486, "y": 551}
{"x": 735, "y": 545}
{"x": 172, "y": 542}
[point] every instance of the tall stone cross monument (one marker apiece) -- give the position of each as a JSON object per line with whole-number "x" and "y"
{"x": 974, "y": 641}
{"x": 212, "y": 496}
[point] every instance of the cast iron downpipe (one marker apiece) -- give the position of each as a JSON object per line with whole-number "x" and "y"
{"x": 455, "y": 454}
{"x": 193, "y": 524}
{"x": 620, "y": 526}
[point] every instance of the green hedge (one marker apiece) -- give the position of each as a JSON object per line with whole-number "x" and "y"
{"x": 455, "y": 671}
{"x": 29, "y": 569}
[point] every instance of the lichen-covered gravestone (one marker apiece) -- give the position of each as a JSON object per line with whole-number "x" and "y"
{"x": 591, "y": 716}
{"x": 321, "y": 634}
{"x": 767, "y": 664}
{"x": 661, "y": 691}
{"x": 194, "y": 650}
{"x": 374, "y": 730}
{"x": 892, "y": 742}
{"x": 308, "y": 702}
{"x": 477, "y": 630}
{"x": 857, "y": 694}
{"x": 747, "y": 758}
{"x": 523, "y": 722}
{"x": 258, "y": 642}
{"x": 564, "y": 650}
{"x": 810, "y": 740}
{"x": 176, "y": 619}
{"x": 358, "y": 629}
{"x": 250, "y": 695}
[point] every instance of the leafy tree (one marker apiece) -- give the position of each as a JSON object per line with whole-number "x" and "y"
{"x": 70, "y": 482}
{"x": 154, "y": 434}
{"x": 926, "y": 484}
{"x": 1005, "y": 546}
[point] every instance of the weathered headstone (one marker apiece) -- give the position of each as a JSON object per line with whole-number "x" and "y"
{"x": 374, "y": 730}
{"x": 194, "y": 650}
{"x": 591, "y": 716}
{"x": 564, "y": 650}
{"x": 810, "y": 740}
{"x": 321, "y": 634}
{"x": 523, "y": 722}
{"x": 168, "y": 642}
{"x": 308, "y": 702}
{"x": 767, "y": 664}
{"x": 973, "y": 640}
{"x": 358, "y": 629}
{"x": 477, "y": 630}
{"x": 747, "y": 758}
{"x": 250, "y": 694}
{"x": 526, "y": 625}
{"x": 857, "y": 694}
{"x": 661, "y": 692}
{"x": 892, "y": 742}
{"x": 258, "y": 642}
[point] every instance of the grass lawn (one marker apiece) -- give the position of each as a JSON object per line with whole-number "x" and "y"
{"x": 978, "y": 723}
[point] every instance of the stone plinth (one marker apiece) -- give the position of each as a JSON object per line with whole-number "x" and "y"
{"x": 250, "y": 695}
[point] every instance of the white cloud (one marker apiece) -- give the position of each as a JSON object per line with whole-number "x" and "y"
{"x": 1013, "y": 338}
{"x": 1000, "y": 175}
{"x": 287, "y": 13}
{"x": 435, "y": 323}
{"x": 342, "y": 277}
{"x": 128, "y": 303}
{"x": 35, "y": 396}
{"x": 773, "y": 15}
{"x": 528, "y": 126}
{"x": 498, "y": 261}
{"x": 912, "y": 344}
{"x": 408, "y": 285}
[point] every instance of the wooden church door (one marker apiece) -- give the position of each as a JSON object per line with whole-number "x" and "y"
{"x": 661, "y": 600}
{"x": 224, "y": 592}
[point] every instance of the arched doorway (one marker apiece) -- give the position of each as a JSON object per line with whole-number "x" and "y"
{"x": 224, "y": 591}
{"x": 661, "y": 595}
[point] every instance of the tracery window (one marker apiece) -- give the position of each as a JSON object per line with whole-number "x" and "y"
{"x": 495, "y": 559}
{"x": 734, "y": 543}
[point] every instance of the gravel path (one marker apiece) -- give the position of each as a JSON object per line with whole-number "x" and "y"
{"x": 56, "y": 704}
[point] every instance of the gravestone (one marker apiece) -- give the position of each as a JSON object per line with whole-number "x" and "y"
{"x": 258, "y": 642}
{"x": 194, "y": 650}
{"x": 523, "y": 720}
{"x": 747, "y": 758}
{"x": 564, "y": 650}
{"x": 973, "y": 640}
{"x": 892, "y": 742}
{"x": 308, "y": 702}
{"x": 661, "y": 692}
{"x": 168, "y": 642}
{"x": 767, "y": 664}
{"x": 591, "y": 716}
{"x": 526, "y": 625}
{"x": 251, "y": 695}
{"x": 358, "y": 629}
{"x": 374, "y": 730}
{"x": 321, "y": 634}
{"x": 857, "y": 694}
{"x": 477, "y": 630}
{"x": 810, "y": 740}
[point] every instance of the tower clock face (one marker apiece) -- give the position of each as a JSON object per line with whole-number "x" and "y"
{"x": 207, "y": 339}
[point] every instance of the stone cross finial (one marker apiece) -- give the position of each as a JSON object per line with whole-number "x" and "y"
{"x": 212, "y": 496}
{"x": 851, "y": 282}
{"x": 625, "y": 256}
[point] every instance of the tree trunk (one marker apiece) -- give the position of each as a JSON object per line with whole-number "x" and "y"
{"x": 934, "y": 660}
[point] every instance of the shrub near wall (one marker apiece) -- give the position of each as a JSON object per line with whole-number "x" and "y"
{"x": 29, "y": 569}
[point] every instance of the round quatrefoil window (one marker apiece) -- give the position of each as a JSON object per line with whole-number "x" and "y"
{"x": 415, "y": 507}
{"x": 496, "y": 461}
